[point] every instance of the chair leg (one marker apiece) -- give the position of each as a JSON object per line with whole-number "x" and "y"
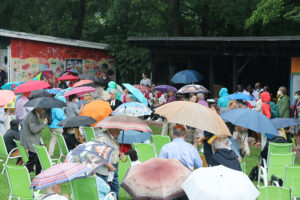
{"x": 8, "y": 157}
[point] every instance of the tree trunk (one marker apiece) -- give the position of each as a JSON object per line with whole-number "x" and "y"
{"x": 80, "y": 19}
{"x": 178, "y": 27}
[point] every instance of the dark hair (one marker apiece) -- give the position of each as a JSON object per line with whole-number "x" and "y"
{"x": 215, "y": 106}
{"x": 110, "y": 72}
{"x": 132, "y": 154}
{"x": 297, "y": 92}
{"x": 66, "y": 129}
{"x": 14, "y": 125}
{"x": 73, "y": 96}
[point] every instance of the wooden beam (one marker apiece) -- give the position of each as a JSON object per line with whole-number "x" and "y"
{"x": 211, "y": 76}
{"x": 234, "y": 73}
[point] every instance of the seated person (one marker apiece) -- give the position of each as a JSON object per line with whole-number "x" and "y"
{"x": 70, "y": 138}
{"x": 223, "y": 155}
{"x": 104, "y": 189}
{"x": 181, "y": 150}
{"x": 11, "y": 135}
{"x": 53, "y": 193}
{"x": 133, "y": 157}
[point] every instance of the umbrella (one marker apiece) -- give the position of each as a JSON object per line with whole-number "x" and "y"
{"x": 165, "y": 88}
{"x": 136, "y": 92}
{"x": 144, "y": 89}
{"x": 63, "y": 91}
{"x": 79, "y": 91}
{"x": 284, "y": 122}
{"x": 53, "y": 90}
{"x": 45, "y": 102}
{"x": 132, "y": 136}
{"x": 31, "y": 86}
{"x": 97, "y": 109}
{"x": 132, "y": 109}
{"x": 93, "y": 153}
{"x": 187, "y": 76}
{"x": 194, "y": 115}
{"x": 82, "y": 82}
{"x": 60, "y": 173}
{"x": 240, "y": 96}
{"x": 193, "y": 88}
{"x": 76, "y": 122}
{"x": 219, "y": 183}
{"x": 11, "y": 85}
{"x": 68, "y": 78}
{"x": 39, "y": 93}
{"x": 69, "y": 71}
{"x": 250, "y": 119}
{"x": 156, "y": 179}
{"x": 124, "y": 122}
{"x": 6, "y": 96}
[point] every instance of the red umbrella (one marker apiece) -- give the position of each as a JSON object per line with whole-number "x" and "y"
{"x": 68, "y": 78}
{"x": 82, "y": 82}
{"x": 143, "y": 89}
{"x": 31, "y": 86}
{"x": 79, "y": 91}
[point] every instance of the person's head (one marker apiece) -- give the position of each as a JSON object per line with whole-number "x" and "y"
{"x": 129, "y": 98}
{"x": 26, "y": 94}
{"x": 132, "y": 154}
{"x": 68, "y": 130}
{"x": 201, "y": 96}
{"x": 144, "y": 75}
{"x": 88, "y": 98}
{"x": 126, "y": 91}
{"x": 249, "y": 89}
{"x": 73, "y": 98}
{"x": 240, "y": 88}
{"x": 282, "y": 91}
{"x": 179, "y": 131}
{"x": 220, "y": 143}
{"x": 40, "y": 111}
{"x": 297, "y": 95}
{"x": 193, "y": 98}
{"x": 114, "y": 132}
{"x": 14, "y": 125}
{"x": 232, "y": 104}
{"x": 267, "y": 88}
{"x": 170, "y": 92}
{"x": 113, "y": 94}
{"x": 52, "y": 189}
{"x": 257, "y": 86}
{"x": 153, "y": 86}
{"x": 214, "y": 107}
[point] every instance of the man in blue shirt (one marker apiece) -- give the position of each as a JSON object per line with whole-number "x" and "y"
{"x": 181, "y": 150}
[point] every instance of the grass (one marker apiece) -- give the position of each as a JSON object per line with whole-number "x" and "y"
{"x": 4, "y": 188}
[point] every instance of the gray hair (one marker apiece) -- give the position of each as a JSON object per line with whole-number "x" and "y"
{"x": 178, "y": 133}
{"x": 113, "y": 91}
{"x": 131, "y": 97}
{"x": 200, "y": 96}
{"x": 220, "y": 143}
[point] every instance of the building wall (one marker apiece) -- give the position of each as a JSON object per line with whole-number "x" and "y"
{"x": 30, "y": 57}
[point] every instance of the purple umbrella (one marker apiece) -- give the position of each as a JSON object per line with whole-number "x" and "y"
{"x": 165, "y": 88}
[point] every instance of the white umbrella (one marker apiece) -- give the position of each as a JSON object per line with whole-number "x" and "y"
{"x": 219, "y": 183}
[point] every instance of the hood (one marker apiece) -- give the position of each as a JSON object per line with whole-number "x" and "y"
{"x": 225, "y": 154}
{"x": 112, "y": 85}
{"x": 223, "y": 92}
{"x": 61, "y": 98}
{"x": 265, "y": 97}
{"x": 14, "y": 125}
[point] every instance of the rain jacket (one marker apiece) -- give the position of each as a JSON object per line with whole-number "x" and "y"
{"x": 266, "y": 109}
{"x": 284, "y": 106}
{"x": 226, "y": 158}
{"x": 113, "y": 85}
{"x": 58, "y": 114}
{"x": 223, "y": 101}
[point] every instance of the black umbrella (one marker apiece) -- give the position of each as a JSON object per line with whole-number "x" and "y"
{"x": 77, "y": 121}
{"x": 97, "y": 80}
{"x": 45, "y": 102}
{"x": 39, "y": 93}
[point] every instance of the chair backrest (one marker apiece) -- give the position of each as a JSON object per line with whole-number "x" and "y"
{"x": 159, "y": 141}
{"x": 19, "y": 181}
{"x": 292, "y": 179}
{"x": 85, "y": 188}
{"x": 278, "y": 162}
{"x": 62, "y": 144}
{"x": 89, "y": 133}
{"x": 124, "y": 165}
{"x": 43, "y": 155}
{"x": 279, "y": 148}
{"x": 275, "y": 193}
{"x": 145, "y": 151}
{"x": 22, "y": 151}
{"x": 3, "y": 150}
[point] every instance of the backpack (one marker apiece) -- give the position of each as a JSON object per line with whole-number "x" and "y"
{"x": 274, "y": 110}
{"x": 253, "y": 176}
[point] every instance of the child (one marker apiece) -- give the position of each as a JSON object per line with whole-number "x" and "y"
{"x": 133, "y": 157}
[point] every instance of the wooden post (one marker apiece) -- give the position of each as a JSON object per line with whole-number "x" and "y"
{"x": 153, "y": 68}
{"x": 211, "y": 76}
{"x": 171, "y": 67}
{"x": 234, "y": 74}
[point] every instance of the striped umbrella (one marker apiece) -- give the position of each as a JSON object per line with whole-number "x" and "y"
{"x": 144, "y": 89}
{"x": 132, "y": 109}
{"x": 193, "y": 88}
{"x": 79, "y": 91}
{"x": 68, "y": 78}
{"x": 60, "y": 173}
{"x": 6, "y": 96}
{"x": 82, "y": 82}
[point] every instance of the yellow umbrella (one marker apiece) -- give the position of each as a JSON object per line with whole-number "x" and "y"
{"x": 194, "y": 115}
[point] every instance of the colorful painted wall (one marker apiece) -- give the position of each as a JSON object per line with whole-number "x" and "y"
{"x": 30, "y": 57}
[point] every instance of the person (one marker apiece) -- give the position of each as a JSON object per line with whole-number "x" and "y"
{"x": 266, "y": 89}
{"x": 113, "y": 85}
{"x": 10, "y": 114}
{"x": 201, "y": 98}
{"x": 223, "y": 101}
{"x": 258, "y": 104}
{"x": 126, "y": 92}
{"x": 11, "y": 135}
{"x": 57, "y": 115}
{"x": 266, "y": 110}
{"x": 22, "y": 111}
{"x": 105, "y": 79}
{"x": 3, "y": 76}
{"x": 193, "y": 98}
{"x": 62, "y": 85}
{"x": 258, "y": 88}
{"x": 130, "y": 98}
{"x": 145, "y": 81}
{"x": 114, "y": 102}
{"x": 250, "y": 91}
{"x": 72, "y": 107}
{"x": 53, "y": 193}
{"x": 223, "y": 155}
{"x": 70, "y": 138}
{"x": 171, "y": 96}
{"x": 104, "y": 189}
{"x": 133, "y": 157}
{"x": 166, "y": 125}
{"x": 295, "y": 115}
{"x": 3, "y": 120}
{"x": 181, "y": 150}
{"x": 240, "y": 88}
{"x": 283, "y": 102}
{"x": 33, "y": 124}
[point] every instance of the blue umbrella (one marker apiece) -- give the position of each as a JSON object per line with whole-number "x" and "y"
{"x": 135, "y": 109}
{"x": 53, "y": 90}
{"x": 250, "y": 119}
{"x": 133, "y": 136}
{"x": 187, "y": 76}
{"x": 284, "y": 122}
{"x": 63, "y": 91}
{"x": 240, "y": 96}
{"x": 137, "y": 93}
{"x": 8, "y": 86}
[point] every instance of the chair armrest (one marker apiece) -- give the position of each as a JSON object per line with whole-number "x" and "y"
{"x": 275, "y": 183}
{"x": 264, "y": 175}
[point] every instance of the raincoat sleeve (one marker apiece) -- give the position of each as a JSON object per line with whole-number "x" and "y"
{"x": 284, "y": 107}
{"x": 266, "y": 110}
{"x": 60, "y": 114}
{"x": 35, "y": 126}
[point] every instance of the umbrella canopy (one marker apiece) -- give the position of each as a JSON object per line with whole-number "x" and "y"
{"x": 132, "y": 136}
{"x": 279, "y": 123}
{"x": 69, "y": 71}
{"x": 219, "y": 183}
{"x": 82, "y": 82}
{"x": 45, "y": 102}
{"x": 194, "y": 115}
{"x": 250, "y": 119}
{"x": 60, "y": 173}
{"x": 144, "y": 89}
{"x": 156, "y": 179}
{"x": 187, "y": 76}
{"x": 68, "y": 78}
{"x": 31, "y": 86}
{"x": 93, "y": 153}
{"x": 76, "y": 122}
{"x": 132, "y": 109}
{"x": 6, "y": 96}
{"x": 192, "y": 89}
{"x": 165, "y": 88}
{"x": 11, "y": 85}
{"x": 240, "y": 96}
{"x": 39, "y": 93}
{"x": 136, "y": 92}
{"x": 53, "y": 90}
{"x": 63, "y": 91}
{"x": 124, "y": 122}
{"x": 97, "y": 109}
{"x": 79, "y": 91}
